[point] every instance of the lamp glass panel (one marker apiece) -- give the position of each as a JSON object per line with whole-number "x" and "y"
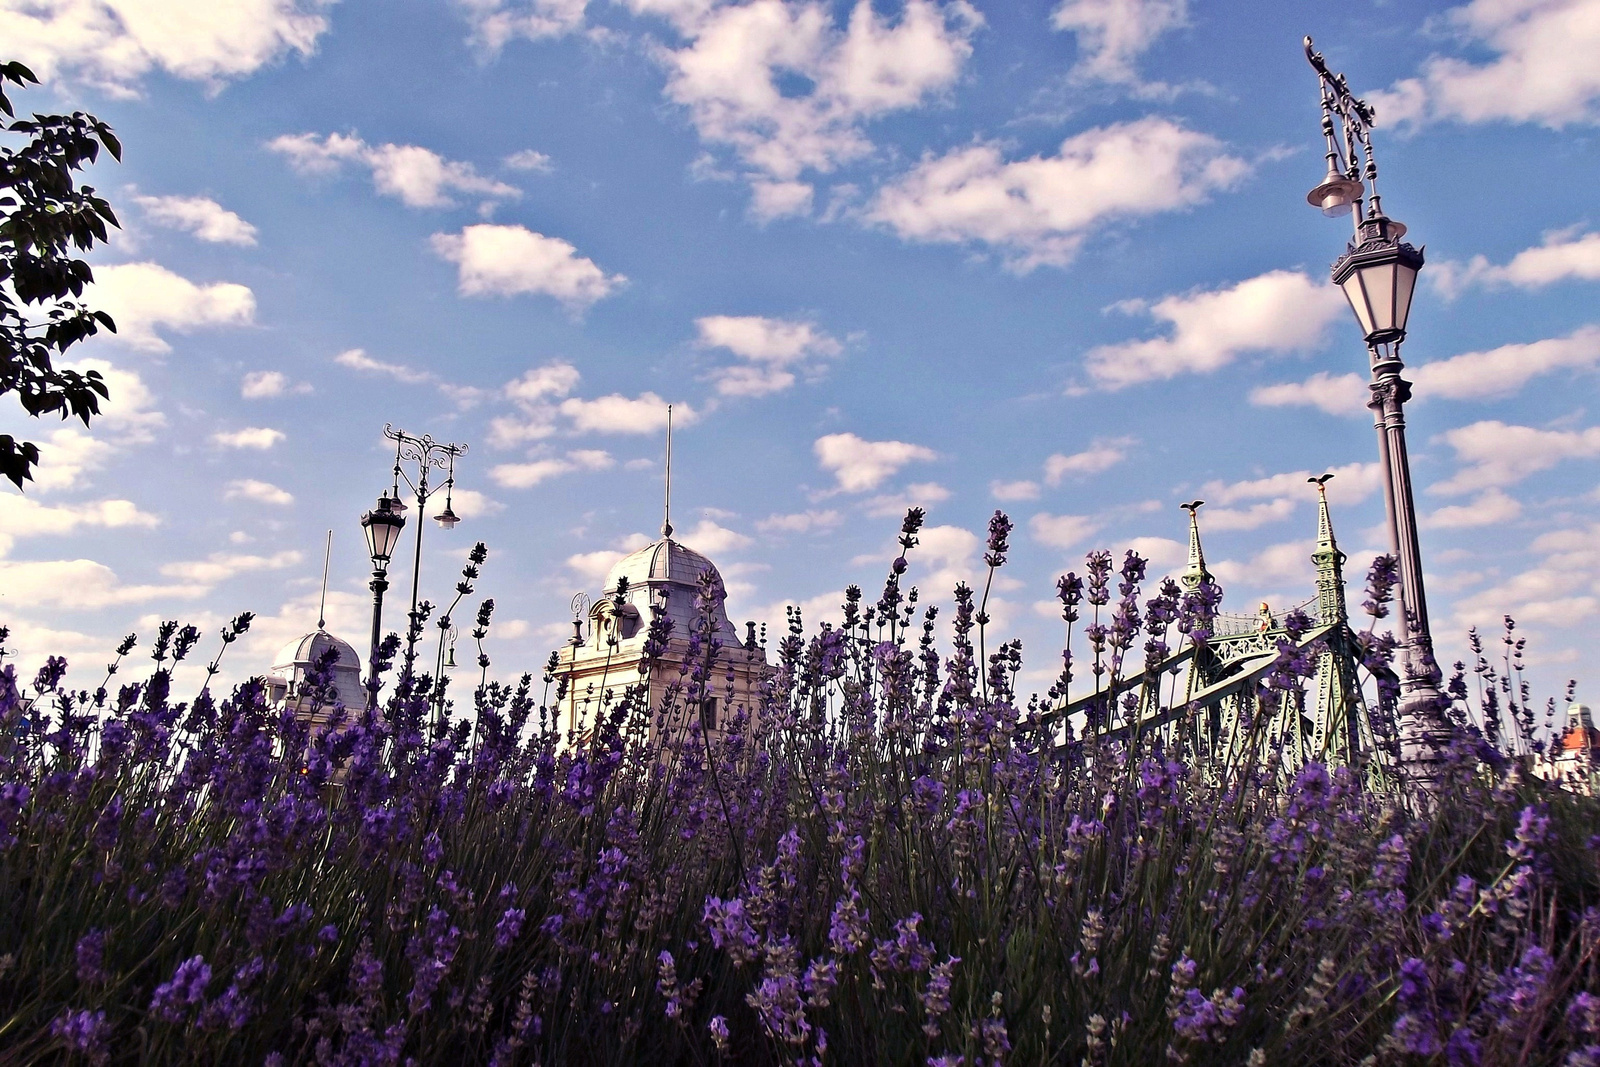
{"x": 1405, "y": 285}
{"x": 390, "y": 536}
{"x": 1356, "y": 293}
{"x": 1379, "y": 282}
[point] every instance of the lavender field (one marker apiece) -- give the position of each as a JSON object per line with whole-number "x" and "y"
{"x": 893, "y": 860}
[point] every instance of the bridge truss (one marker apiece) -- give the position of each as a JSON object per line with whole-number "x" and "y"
{"x": 1270, "y": 690}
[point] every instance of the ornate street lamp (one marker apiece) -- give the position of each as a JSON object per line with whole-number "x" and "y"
{"x": 427, "y": 454}
{"x": 1378, "y": 273}
{"x": 382, "y": 527}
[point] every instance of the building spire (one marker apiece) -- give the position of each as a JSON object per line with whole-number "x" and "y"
{"x": 1195, "y": 573}
{"x": 666, "y": 522}
{"x": 322, "y": 606}
{"x": 1328, "y": 559}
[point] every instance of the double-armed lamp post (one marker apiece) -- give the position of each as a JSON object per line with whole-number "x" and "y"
{"x": 383, "y": 524}
{"x": 1378, "y": 273}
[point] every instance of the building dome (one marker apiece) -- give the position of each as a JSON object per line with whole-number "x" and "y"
{"x": 665, "y": 574}
{"x": 661, "y": 561}
{"x": 294, "y": 662}
{"x": 305, "y": 651}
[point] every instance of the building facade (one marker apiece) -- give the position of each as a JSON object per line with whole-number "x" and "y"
{"x": 610, "y": 652}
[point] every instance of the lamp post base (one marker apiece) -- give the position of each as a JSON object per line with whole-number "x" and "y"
{"x": 1424, "y": 734}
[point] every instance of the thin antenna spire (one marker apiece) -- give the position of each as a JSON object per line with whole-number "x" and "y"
{"x": 666, "y": 524}
{"x": 322, "y": 607}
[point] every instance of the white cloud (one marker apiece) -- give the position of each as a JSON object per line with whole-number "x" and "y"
{"x": 1019, "y": 490}
{"x": 1038, "y": 210}
{"x": 266, "y": 384}
{"x": 552, "y": 379}
{"x": 26, "y": 517}
{"x": 78, "y": 585}
{"x": 1062, "y": 531}
{"x": 1280, "y": 311}
{"x": 1563, "y": 255}
{"x": 944, "y": 556}
{"x": 463, "y": 396}
{"x": 737, "y": 70}
{"x": 1283, "y": 565}
{"x": 507, "y": 260}
{"x": 860, "y": 465}
{"x": 1492, "y": 508}
{"x": 770, "y": 200}
{"x": 220, "y": 566}
{"x": 1496, "y": 372}
{"x": 114, "y": 43}
{"x": 495, "y": 23}
{"x": 416, "y": 176}
{"x": 646, "y": 413}
{"x": 1542, "y": 69}
{"x": 593, "y": 566}
{"x": 1343, "y": 394}
{"x": 143, "y": 296}
{"x": 894, "y": 505}
{"x": 1494, "y": 454}
{"x": 258, "y": 437}
{"x": 1112, "y": 34}
{"x": 1351, "y": 484}
{"x": 128, "y": 413}
{"x": 1248, "y": 518}
{"x": 258, "y": 491}
{"x": 1162, "y": 553}
{"x": 67, "y": 458}
{"x": 1504, "y": 370}
{"x": 800, "y": 522}
{"x": 357, "y": 359}
{"x": 529, "y": 160}
{"x": 199, "y": 215}
{"x": 512, "y": 431}
{"x": 70, "y": 454}
{"x": 1560, "y": 590}
{"x": 529, "y": 474}
{"x": 1102, "y": 454}
{"x": 471, "y": 504}
{"x": 774, "y": 350}
{"x": 710, "y": 539}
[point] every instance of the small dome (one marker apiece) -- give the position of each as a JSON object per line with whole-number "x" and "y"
{"x": 661, "y": 561}
{"x": 666, "y": 573}
{"x": 303, "y": 652}
{"x": 294, "y": 662}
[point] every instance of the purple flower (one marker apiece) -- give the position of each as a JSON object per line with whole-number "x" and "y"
{"x": 85, "y": 1032}
{"x": 906, "y": 953}
{"x": 91, "y": 951}
{"x": 936, "y": 996}
{"x": 730, "y": 928}
{"x": 719, "y": 1033}
{"x": 186, "y": 988}
{"x": 509, "y": 926}
{"x": 999, "y": 531}
{"x": 847, "y": 932}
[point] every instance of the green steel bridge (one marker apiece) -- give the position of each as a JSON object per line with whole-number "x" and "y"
{"x": 1215, "y": 700}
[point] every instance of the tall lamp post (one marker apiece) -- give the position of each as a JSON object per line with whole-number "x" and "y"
{"x": 1378, "y": 273}
{"x": 382, "y": 527}
{"x": 427, "y": 454}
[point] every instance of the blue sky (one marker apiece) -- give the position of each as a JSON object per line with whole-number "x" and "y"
{"x": 1048, "y": 257}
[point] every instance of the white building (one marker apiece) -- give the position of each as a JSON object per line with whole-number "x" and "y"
{"x": 286, "y": 681}
{"x": 599, "y": 666}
